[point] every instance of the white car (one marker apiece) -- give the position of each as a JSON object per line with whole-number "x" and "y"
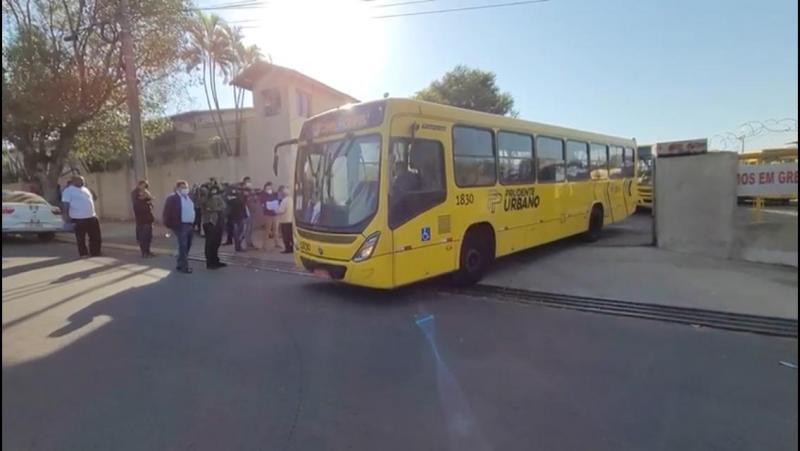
{"x": 28, "y": 213}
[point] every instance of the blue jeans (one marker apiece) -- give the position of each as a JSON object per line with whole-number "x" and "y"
{"x": 238, "y": 233}
{"x": 184, "y": 236}
{"x": 248, "y": 232}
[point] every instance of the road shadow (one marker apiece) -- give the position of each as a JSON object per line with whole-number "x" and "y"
{"x": 50, "y": 262}
{"x": 158, "y": 369}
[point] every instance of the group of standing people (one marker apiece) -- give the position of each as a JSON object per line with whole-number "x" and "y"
{"x": 234, "y": 209}
{"x": 214, "y": 208}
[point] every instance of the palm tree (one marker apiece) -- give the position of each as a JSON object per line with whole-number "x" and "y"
{"x": 210, "y": 49}
{"x": 243, "y": 56}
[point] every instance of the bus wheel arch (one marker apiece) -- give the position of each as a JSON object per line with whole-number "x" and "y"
{"x": 595, "y": 226}
{"x": 476, "y": 253}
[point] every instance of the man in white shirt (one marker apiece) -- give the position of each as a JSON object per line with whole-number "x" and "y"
{"x": 78, "y": 208}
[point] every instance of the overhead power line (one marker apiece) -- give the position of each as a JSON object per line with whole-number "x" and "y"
{"x": 410, "y": 2}
{"x": 247, "y": 4}
{"x": 465, "y": 8}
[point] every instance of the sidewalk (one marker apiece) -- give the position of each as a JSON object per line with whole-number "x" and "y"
{"x": 617, "y": 268}
{"x": 122, "y": 235}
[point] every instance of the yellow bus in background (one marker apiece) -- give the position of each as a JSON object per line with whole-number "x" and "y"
{"x": 391, "y": 192}
{"x": 769, "y": 156}
{"x": 645, "y": 159}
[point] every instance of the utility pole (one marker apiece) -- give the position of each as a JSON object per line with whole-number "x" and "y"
{"x": 132, "y": 92}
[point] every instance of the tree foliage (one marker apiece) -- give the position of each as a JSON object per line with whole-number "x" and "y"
{"x": 469, "y": 88}
{"x": 63, "y": 69}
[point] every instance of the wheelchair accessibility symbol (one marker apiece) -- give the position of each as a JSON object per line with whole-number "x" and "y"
{"x": 425, "y": 234}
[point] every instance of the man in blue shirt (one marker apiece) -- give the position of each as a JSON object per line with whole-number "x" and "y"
{"x": 179, "y": 217}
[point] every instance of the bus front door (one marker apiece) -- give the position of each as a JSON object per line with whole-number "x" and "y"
{"x": 419, "y": 214}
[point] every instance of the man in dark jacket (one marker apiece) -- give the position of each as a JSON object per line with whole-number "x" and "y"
{"x": 142, "y": 202}
{"x": 213, "y": 211}
{"x": 179, "y": 217}
{"x": 237, "y": 212}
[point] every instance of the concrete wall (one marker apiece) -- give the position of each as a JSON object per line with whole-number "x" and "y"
{"x": 766, "y": 237}
{"x": 113, "y": 188}
{"x": 695, "y": 203}
{"x": 696, "y": 212}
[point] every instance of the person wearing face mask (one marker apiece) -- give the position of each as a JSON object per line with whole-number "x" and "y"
{"x": 142, "y": 202}
{"x": 213, "y": 210}
{"x": 270, "y": 202}
{"x": 179, "y": 217}
{"x": 78, "y": 208}
{"x": 284, "y": 219}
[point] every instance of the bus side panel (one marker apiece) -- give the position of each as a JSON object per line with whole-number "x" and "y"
{"x": 580, "y": 203}
{"x": 550, "y": 215}
{"x": 518, "y": 210}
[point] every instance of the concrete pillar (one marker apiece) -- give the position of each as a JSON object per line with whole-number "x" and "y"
{"x": 695, "y": 203}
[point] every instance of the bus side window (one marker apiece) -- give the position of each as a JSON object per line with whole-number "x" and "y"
{"x": 599, "y": 161}
{"x": 577, "y": 160}
{"x": 628, "y": 163}
{"x": 550, "y": 159}
{"x": 417, "y": 179}
{"x": 614, "y": 162}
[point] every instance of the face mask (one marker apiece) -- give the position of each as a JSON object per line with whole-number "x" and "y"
{"x": 248, "y": 185}
{"x": 184, "y": 191}
{"x": 269, "y": 190}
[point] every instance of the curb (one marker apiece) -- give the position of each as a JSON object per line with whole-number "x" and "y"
{"x": 233, "y": 259}
{"x": 695, "y": 317}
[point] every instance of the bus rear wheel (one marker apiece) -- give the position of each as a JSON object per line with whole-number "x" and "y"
{"x": 595, "y": 225}
{"x": 477, "y": 252}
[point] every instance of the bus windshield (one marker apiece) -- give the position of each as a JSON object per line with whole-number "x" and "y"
{"x": 337, "y": 183}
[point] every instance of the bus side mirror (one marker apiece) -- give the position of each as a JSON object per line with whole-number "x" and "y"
{"x": 289, "y": 142}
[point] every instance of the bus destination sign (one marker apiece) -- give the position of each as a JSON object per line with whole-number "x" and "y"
{"x": 688, "y": 147}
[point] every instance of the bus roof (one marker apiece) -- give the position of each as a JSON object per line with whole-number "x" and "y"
{"x": 396, "y": 105}
{"x": 770, "y": 154}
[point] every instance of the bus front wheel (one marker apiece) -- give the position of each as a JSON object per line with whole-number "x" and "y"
{"x": 477, "y": 252}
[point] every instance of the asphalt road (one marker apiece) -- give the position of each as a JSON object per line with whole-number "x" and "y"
{"x": 113, "y": 354}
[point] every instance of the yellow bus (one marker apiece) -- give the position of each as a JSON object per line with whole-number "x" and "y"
{"x": 395, "y": 191}
{"x": 769, "y": 156}
{"x": 645, "y": 159}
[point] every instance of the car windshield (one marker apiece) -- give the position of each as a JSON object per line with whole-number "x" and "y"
{"x": 22, "y": 197}
{"x": 337, "y": 183}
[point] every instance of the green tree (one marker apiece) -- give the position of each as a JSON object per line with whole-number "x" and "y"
{"x": 62, "y": 69}
{"x": 469, "y": 88}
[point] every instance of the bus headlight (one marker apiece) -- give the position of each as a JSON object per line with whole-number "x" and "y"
{"x": 365, "y": 251}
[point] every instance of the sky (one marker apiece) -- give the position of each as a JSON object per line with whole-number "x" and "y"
{"x": 655, "y": 70}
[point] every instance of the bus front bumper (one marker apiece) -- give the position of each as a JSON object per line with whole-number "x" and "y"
{"x": 375, "y": 272}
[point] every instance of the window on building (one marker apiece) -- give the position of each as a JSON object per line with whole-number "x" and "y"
{"x": 272, "y": 101}
{"x": 473, "y": 157}
{"x": 599, "y": 161}
{"x": 303, "y": 103}
{"x": 614, "y": 162}
{"x": 628, "y": 163}
{"x": 515, "y": 158}
{"x": 577, "y": 160}
{"x": 550, "y": 159}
